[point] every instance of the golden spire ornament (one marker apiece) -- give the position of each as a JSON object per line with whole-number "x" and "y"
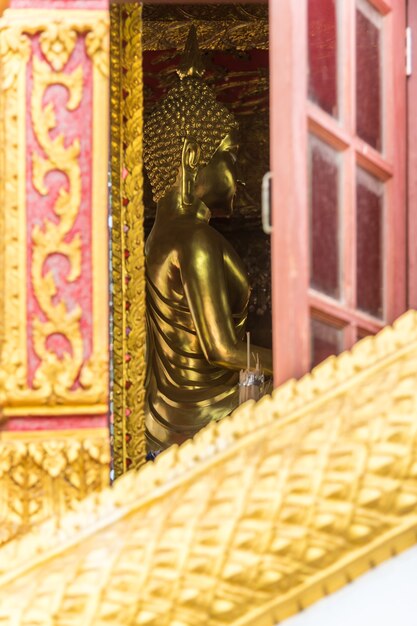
{"x": 191, "y": 62}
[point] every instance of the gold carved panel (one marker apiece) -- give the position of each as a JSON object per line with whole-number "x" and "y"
{"x": 69, "y": 383}
{"x": 44, "y": 475}
{"x": 128, "y": 270}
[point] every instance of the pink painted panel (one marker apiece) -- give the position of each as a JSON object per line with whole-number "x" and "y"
{"x": 75, "y": 422}
{"x": 72, "y": 125}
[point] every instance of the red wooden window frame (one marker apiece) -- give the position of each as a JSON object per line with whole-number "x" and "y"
{"x": 412, "y": 161}
{"x": 293, "y": 117}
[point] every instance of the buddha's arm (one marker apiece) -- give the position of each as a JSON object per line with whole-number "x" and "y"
{"x": 203, "y": 276}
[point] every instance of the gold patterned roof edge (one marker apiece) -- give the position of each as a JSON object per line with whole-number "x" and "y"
{"x": 212, "y": 445}
{"x": 335, "y": 373}
{"x": 278, "y": 513}
{"x": 336, "y": 577}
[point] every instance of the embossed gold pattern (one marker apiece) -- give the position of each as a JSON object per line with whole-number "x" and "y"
{"x": 54, "y": 379}
{"x": 98, "y": 46}
{"x": 257, "y": 517}
{"x": 14, "y": 54}
{"x": 128, "y": 240}
{"x": 135, "y": 263}
{"x": 118, "y": 391}
{"x": 45, "y": 474}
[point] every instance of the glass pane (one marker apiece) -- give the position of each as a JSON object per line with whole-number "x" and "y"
{"x": 322, "y": 54}
{"x": 324, "y": 218}
{"x": 369, "y": 243}
{"x": 325, "y": 341}
{"x": 368, "y": 75}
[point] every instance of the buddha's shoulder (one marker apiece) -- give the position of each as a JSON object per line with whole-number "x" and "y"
{"x": 200, "y": 232}
{"x": 181, "y": 235}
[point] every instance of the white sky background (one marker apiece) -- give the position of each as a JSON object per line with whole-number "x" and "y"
{"x": 384, "y": 596}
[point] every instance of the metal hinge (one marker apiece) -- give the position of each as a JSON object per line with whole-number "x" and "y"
{"x": 408, "y": 51}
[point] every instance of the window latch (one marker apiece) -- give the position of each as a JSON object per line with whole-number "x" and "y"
{"x": 266, "y": 203}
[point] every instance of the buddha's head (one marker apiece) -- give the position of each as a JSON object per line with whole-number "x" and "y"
{"x": 191, "y": 140}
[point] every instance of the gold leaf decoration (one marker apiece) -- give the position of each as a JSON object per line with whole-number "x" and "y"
{"x": 128, "y": 263}
{"x": 57, "y": 43}
{"x": 97, "y": 46}
{"x": 135, "y": 241}
{"x": 47, "y": 474}
{"x": 14, "y": 53}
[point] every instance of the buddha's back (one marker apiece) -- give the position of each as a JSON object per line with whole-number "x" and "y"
{"x": 184, "y": 390}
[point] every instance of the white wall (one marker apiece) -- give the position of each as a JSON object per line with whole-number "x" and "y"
{"x": 384, "y": 596}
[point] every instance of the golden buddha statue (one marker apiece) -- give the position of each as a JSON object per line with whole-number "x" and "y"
{"x": 197, "y": 287}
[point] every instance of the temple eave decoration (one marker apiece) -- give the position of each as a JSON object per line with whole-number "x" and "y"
{"x": 254, "y": 519}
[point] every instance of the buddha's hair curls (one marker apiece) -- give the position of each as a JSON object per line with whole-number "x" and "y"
{"x": 190, "y": 109}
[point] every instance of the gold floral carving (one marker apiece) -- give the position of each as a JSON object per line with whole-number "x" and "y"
{"x": 256, "y": 518}
{"x": 44, "y": 475}
{"x": 55, "y": 377}
{"x": 59, "y": 37}
{"x": 97, "y": 46}
{"x": 127, "y": 240}
{"x": 57, "y": 43}
{"x": 14, "y": 51}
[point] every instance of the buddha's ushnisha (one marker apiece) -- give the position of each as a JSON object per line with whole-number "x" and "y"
{"x": 197, "y": 287}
